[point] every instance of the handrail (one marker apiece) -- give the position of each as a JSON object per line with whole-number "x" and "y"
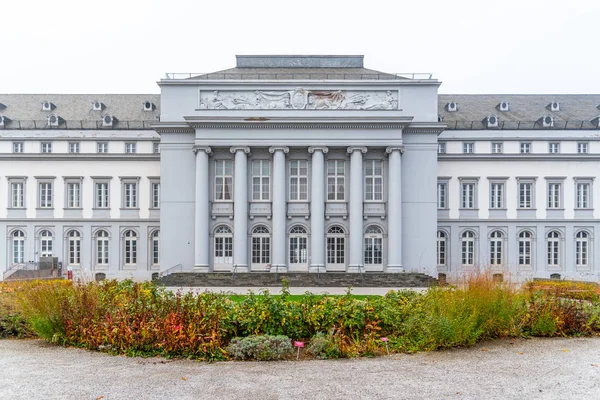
{"x": 171, "y": 270}
{"x": 298, "y": 75}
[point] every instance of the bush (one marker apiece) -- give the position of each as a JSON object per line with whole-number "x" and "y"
{"x": 260, "y": 348}
{"x": 323, "y": 346}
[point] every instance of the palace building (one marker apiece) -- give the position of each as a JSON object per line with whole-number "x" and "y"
{"x": 301, "y": 164}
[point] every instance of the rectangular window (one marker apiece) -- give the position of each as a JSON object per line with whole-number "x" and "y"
{"x": 156, "y": 147}
{"x": 336, "y": 180}
{"x": 261, "y": 180}
{"x": 74, "y": 147}
{"x": 373, "y": 180}
{"x": 553, "y": 148}
{"x": 17, "y": 190}
{"x": 298, "y": 180}
{"x": 102, "y": 250}
{"x": 155, "y": 195}
{"x": 130, "y": 148}
{"x": 101, "y": 195}
{"x": 45, "y": 194}
{"x": 441, "y": 147}
{"x": 582, "y": 147}
{"x": 497, "y": 148}
{"x": 17, "y": 147}
{"x": 46, "y": 147}
{"x": 525, "y": 195}
{"x": 223, "y": 180}
{"x": 102, "y": 147}
{"x": 442, "y": 195}
{"x": 554, "y": 195}
{"x": 583, "y": 195}
{"x": 73, "y": 195}
{"x": 524, "y": 250}
{"x": 497, "y": 195}
{"x": 468, "y": 148}
{"x": 467, "y": 195}
{"x": 525, "y": 147}
{"x": 130, "y": 195}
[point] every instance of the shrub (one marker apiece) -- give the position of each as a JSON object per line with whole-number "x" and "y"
{"x": 260, "y": 348}
{"x": 323, "y": 346}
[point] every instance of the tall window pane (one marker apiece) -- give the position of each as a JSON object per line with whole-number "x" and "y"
{"x": 373, "y": 180}
{"x": 223, "y": 179}
{"x": 261, "y": 176}
{"x": 298, "y": 180}
{"x": 335, "y": 180}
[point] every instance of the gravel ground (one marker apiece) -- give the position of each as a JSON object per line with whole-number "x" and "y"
{"x": 506, "y": 369}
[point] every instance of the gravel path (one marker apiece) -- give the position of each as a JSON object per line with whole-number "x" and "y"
{"x": 507, "y": 369}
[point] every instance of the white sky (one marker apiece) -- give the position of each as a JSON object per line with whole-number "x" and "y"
{"x": 473, "y": 46}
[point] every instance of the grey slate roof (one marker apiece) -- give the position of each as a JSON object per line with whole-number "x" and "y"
{"x": 298, "y": 73}
{"x": 576, "y": 110}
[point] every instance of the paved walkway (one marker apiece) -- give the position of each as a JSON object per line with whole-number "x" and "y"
{"x": 508, "y": 369}
{"x": 293, "y": 290}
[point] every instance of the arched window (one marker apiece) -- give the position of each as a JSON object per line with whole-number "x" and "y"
{"x": 130, "y": 247}
{"x": 298, "y": 246}
{"x": 102, "y": 247}
{"x": 467, "y": 241}
{"x": 553, "y": 249}
{"x": 155, "y": 246}
{"x": 45, "y": 243}
{"x": 525, "y": 249}
{"x": 18, "y": 247}
{"x": 496, "y": 251}
{"x": 74, "y": 246}
{"x": 261, "y": 246}
{"x": 582, "y": 249}
{"x": 373, "y": 246}
{"x": 336, "y": 248}
{"x": 442, "y": 245}
{"x": 223, "y": 245}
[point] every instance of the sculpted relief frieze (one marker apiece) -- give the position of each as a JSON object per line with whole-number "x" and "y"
{"x": 299, "y": 99}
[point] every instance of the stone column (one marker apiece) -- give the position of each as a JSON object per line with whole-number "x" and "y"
{"x": 356, "y": 208}
{"x": 278, "y": 261}
{"x": 317, "y": 209}
{"x": 394, "y": 209}
{"x": 202, "y": 211}
{"x": 240, "y": 209}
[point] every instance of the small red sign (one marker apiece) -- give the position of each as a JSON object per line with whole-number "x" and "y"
{"x": 298, "y": 344}
{"x": 384, "y": 339}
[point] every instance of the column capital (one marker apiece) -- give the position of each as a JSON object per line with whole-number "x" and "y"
{"x": 273, "y": 149}
{"x": 235, "y": 149}
{"x": 352, "y": 149}
{"x": 391, "y": 149}
{"x": 324, "y": 149}
{"x": 205, "y": 149}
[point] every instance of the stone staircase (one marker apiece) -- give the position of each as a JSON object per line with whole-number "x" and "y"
{"x": 297, "y": 279}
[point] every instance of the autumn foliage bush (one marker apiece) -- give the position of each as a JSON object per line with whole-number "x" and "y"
{"x": 145, "y": 319}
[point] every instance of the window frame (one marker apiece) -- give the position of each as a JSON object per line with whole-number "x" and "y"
{"x": 46, "y": 147}
{"x": 497, "y": 201}
{"x": 555, "y": 193}
{"x": 130, "y": 247}
{"x": 226, "y": 180}
{"x": 223, "y": 237}
{"x": 336, "y": 178}
{"x": 442, "y": 249}
{"x": 46, "y": 243}
{"x": 463, "y": 182}
{"x": 102, "y": 147}
{"x": 17, "y": 180}
{"x": 101, "y": 181}
{"x": 468, "y": 147}
{"x": 525, "y": 247}
{"x": 74, "y": 244}
{"x": 554, "y": 246}
{"x": 336, "y": 237}
{"x": 102, "y": 248}
{"x": 74, "y": 147}
{"x": 18, "y": 147}
{"x": 125, "y": 186}
{"x": 154, "y": 199}
{"x": 375, "y": 177}
{"x": 497, "y": 148}
{"x": 48, "y": 204}
{"x": 260, "y": 246}
{"x": 260, "y": 195}
{"x": 583, "y": 147}
{"x": 17, "y": 243}
{"x": 551, "y": 149}
{"x": 526, "y": 181}
{"x": 373, "y": 249}
{"x": 155, "y": 247}
{"x": 467, "y": 248}
{"x": 441, "y": 148}
{"x": 497, "y": 248}
{"x": 298, "y": 180}
{"x": 130, "y": 147}
{"x": 584, "y": 181}
{"x": 525, "y": 147}
{"x": 583, "y": 246}
{"x": 298, "y": 245}
{"x": 71, "y": 181}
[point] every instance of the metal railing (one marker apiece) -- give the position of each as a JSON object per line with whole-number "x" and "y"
{"x": 77, "y": 124}
{"x": 297, "y": 75}
{"x": 522, "y": 125}
{"x": 169, "y": 271}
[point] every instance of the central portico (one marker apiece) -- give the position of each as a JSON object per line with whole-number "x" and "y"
{"x": 299, "y": 163}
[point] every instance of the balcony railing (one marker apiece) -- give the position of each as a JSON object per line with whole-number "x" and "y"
{"x": 297, "y": 75}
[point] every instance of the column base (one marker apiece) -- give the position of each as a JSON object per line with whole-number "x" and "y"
{"x": 279, "y": 268}
{"x": 201, "y": 268}
{"x": 317, "y": 268}
{"x": 394, "y": 269}
{"x": 241, "y": 268}
{"x": 355, "y": 268}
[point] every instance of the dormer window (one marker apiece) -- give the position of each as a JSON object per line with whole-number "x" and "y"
{"x": 596, "y": 122}
{"x": 47, "y": 106}
{"x": 491, "y": 121}
{"x": 148, "y": 106}
{"x": 554, "y": 106}
{"x": 547, "y": 121}
{"x": 97, "y": 106}
{"x": 452, "y": 107}
{"x": 2, "y": 106}
{"x": 503, "y": 106}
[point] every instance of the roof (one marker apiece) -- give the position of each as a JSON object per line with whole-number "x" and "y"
{"x": 309, "y": 73}
{"x": 575, "y": 110}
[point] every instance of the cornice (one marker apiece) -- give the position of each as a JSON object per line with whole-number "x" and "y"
{"x": 172, "y": 128}
{"x": 295, "y": 126}
{"x": 78, "y": 157}
{"x": 291, "y": 83}
{"x": 519, "y": 157}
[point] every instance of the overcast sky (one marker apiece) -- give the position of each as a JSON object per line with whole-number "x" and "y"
{"x": 473, "y": 46}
